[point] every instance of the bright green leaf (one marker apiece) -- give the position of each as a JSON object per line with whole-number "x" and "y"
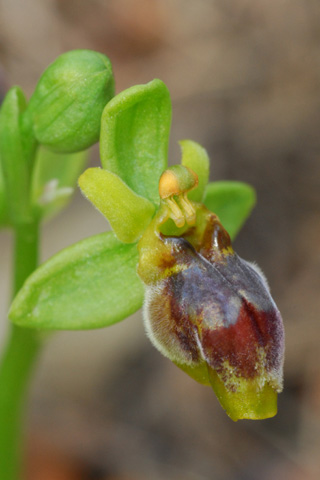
{"x": 232, "y": 202}
{"x": 54, "y": 179}
{"x": 91, "y": 284}
{"x": 66, "y": 106}
{"x": 135, "y": 128}
{"x": 195, "y": 157}
{"x": 129, "y": 214}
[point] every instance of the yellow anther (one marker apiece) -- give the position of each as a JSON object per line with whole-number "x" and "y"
{"x": 176, "y": 180}
{"x": 168, "y": 184}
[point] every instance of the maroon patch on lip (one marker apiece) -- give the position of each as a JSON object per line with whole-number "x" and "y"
{"x": 238, "y": 343}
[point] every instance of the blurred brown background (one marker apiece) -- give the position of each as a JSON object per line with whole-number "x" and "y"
{"x": 245, "y": 83}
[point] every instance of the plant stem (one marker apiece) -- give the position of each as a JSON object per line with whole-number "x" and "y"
{"x": 17, "y": 361}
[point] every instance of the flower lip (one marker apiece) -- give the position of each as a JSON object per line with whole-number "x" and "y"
{"x": 212, "y": 314}
{"x": 233, "y": 322}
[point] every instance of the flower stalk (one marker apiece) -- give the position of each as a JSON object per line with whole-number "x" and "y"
{"x": 17, "y": 361}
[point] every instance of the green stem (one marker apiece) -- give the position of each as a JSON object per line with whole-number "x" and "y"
{"x": 17, "y": 361}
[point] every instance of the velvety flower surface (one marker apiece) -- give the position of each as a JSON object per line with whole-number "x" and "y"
{"x": 212, "y": 314}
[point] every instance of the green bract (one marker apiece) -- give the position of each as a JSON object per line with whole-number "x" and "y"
{"x": 66, "y": 106}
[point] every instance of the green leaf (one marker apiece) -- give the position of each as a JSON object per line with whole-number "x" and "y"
{"x": 195, "y": 157}
{"x": 15, "y": 168}
{"x": 91, "y": 284}
{"x": 232, "y": 202}
{"x": 129, "y": 214}
{"x": 54, "y": 179}
{"x": 135, "y": 128}
{"x": 66, "y": 106}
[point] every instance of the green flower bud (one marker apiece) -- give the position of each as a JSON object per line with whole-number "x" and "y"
{"x": 66, "y": 106}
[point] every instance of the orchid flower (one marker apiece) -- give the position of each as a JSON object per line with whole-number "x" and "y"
{"x": 170, "y": 251}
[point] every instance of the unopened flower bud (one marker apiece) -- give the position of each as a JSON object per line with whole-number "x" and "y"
{"x": 66, "y": 106}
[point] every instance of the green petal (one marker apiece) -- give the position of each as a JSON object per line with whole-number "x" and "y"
{"x": 54, "y": 179}
{"x": 134, "y": 136}
{"x": 195, "y": 157}
{"x": 232, "y": 202}
{"x": 91, "y": 284}
{"x": 128, "y": 213}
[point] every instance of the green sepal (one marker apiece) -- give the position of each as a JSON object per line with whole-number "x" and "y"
{"x": 66, "y": 106}
{"x": 195, "y": 157}
{"x": 15, "y": 169}
{"x": 135, "y": 128}
{"x": 129, "y": 214}
{"x": 91, "y": 284}
{"x": 232, "y": 202}
{"x": 54, "y": 179}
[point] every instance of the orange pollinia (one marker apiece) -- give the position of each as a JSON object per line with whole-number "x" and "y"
{"x": 206, "y": 309}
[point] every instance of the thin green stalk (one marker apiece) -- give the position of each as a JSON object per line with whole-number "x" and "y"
{"x": 17, "y": 361}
